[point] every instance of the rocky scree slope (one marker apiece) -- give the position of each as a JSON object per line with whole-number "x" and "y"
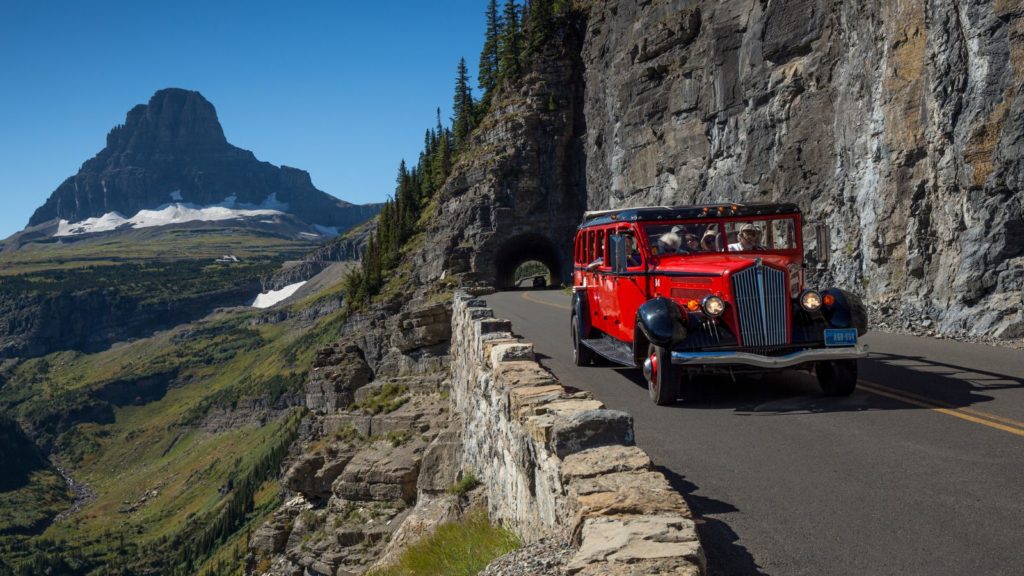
{"x": 898, "y": 123}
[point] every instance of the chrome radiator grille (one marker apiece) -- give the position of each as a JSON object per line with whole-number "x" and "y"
{"x": 761, "y": 299}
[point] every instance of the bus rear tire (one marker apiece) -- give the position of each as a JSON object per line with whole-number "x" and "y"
{"x": 581, "y": 355}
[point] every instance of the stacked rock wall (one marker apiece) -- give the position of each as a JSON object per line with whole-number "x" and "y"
{"x": 554, "y": 461}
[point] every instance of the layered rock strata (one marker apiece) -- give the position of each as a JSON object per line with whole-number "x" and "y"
{"x": 554, "y": 461}
{"x": 375, "y": 470}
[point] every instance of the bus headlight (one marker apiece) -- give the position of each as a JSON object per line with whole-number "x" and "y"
{"x": 713, "y": 306}
{"x": 810, "y": 300}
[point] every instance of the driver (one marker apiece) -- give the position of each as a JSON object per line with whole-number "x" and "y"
{"x": 749, "y": 239}
{"x": 633, "y": 253}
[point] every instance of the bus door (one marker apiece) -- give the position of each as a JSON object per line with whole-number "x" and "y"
{"x": 628, "y": 282}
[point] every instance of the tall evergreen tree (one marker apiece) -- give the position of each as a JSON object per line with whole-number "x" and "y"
{"x": 510, "y": 43}
{"x": 539, "y": 24}
{"x": 490, "y": 56}
{"x": 465, "y": 118}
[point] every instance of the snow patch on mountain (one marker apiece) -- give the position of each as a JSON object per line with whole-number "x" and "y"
{"x": 268, "y": 299}
{"x": 174, "y": 213}
{"x": 329, "y": 231}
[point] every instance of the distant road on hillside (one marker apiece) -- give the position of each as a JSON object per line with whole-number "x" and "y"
{"x": 920, "y": 471}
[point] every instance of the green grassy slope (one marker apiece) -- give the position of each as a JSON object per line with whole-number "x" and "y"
{"x": 170, "y": 433}
{"x": 202, "y": 241}
{"x": 88, "y": 293}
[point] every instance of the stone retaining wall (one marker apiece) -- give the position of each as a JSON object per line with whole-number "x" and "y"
{"x": 555, "y": 461}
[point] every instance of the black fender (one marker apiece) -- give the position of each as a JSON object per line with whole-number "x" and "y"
{"x": 662, "y": 322}
{"x": 847, "y": 312}
{"x": 582, "y": 311}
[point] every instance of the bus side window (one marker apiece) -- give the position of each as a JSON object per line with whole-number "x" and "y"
{"x": 633, "y": 257}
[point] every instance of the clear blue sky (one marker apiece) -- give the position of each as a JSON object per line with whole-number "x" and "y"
{"x": 341, "y": 89}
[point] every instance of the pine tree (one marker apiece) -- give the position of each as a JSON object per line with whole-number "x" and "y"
{"x": 510, "y": 43}
{"x": 400, "y": 217}
{"x": 462, "y": 106}
{"x": 539, "y": 24}
{"x": 442, "y": 157}
{"x": 490, "y": 57}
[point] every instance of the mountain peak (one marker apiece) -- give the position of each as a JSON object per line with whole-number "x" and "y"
{"x": 174, "y": 119}
{"x": 173, "y": 149}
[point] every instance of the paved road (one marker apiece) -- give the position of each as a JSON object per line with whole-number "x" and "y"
{"x": 921, "y": 471}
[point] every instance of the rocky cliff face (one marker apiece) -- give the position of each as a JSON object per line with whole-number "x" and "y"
{"x": 345, "y": 248}
{"x": 92, "y": 319}
{"x": 517, "y": 194}
{"x": 173, "y": 149}
{"x": 375, "y": 471}
{"x": 899, "y": 123}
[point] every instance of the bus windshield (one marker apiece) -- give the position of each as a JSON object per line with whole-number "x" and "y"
{"x": 688, "y": 237}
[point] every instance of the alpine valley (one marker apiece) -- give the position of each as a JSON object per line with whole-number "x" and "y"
{"x": 156, "y": 419}
{"x": 132, "y": 355}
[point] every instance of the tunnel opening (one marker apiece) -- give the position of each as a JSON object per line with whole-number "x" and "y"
{"x": 532, "y": 274}
{"x": 524, "y": 259}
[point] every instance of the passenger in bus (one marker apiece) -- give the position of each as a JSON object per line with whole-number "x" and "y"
{"x": 670, "y": 241}
{"x": 749, "y": 239}
{"x": 709, "y": 243}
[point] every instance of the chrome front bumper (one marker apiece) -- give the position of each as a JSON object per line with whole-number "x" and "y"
{"x": 759, "y": 361}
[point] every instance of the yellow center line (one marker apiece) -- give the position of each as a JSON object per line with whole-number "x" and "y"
{"x": 531, "y": 298}
{"x": 939, "y": 403}
{"x": 976, "y": 416}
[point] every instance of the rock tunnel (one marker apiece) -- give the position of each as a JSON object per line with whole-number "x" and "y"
{"x": 523, "y": 248}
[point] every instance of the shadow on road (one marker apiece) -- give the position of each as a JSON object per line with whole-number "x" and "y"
{"x": 724, "y": 555}
{"x": 794, "y": 392}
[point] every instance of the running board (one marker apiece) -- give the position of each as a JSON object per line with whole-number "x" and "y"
{"x": 612, "y": 349}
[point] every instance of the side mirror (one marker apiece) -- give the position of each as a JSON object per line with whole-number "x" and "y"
{"x": 618, "y": 254}
{"x": 822, "y": 243}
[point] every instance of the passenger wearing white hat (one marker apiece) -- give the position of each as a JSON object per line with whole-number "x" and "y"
{"x": 749, "y": 239}
{"x": 670, "y": 241}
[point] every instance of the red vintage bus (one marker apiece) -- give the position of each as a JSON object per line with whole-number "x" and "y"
{"x": 681, "y": 291}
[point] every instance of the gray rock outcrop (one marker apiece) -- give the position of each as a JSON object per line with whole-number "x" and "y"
{"x": 374, "y": 473}
{"x": 338, "y": 371}
{"x": 518, "y": 193}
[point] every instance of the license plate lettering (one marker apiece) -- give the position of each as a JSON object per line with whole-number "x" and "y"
{"x": 841, "y": 337}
